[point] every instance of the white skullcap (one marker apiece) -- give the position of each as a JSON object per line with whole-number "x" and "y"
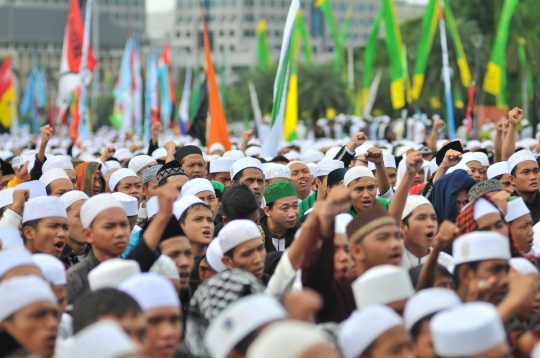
{"x": 221, "y": 165}
{"x": 52, "y": 268}
{"x": 113, "y": 164}
{"x": 295, "y": 162}
{"x": 364, "y": 327}
{"x": 413, "y": 202}
{"x": 473, "y": 143}
{"x": 461, "y": 165}
{"x": 482, "y": 207}
{"x": 52, "y": 175}
{"x": 467, "y": 330}
{"x": 382, "y": 284}
{"x": 313, "y": 169}
{"x": 324, "y": 167}
{"x": 151, "y": 291}
{"x": 483, "y": 158}
{"x": 234, "y": 154}
{"x": 446, "y": 261}
{"x": 470, "y": 157}
{"x": 523, "y": 266}
{"x": 71, "y": 197}
{"x": 95, "y": 206}
{"x": 13, "y": 258}
{"x": 427, "y": 302}
{"x": 497, "y": 169}
{"x": 195, "y": 186}
{"x": 43, "y": 207}
{"x": 11, "y": 238}
{"x": 159, "y": 153}
{"x": 357, "y": 173}
{"x": 286, "y": 339}
{"x": 273, "y": 171}
{"x": 216, "y": 146}
{"x": 118, "y": 175}
{"x": 292, "y": 155}
{"x": 238, "y": 320}
{"x": 128, "y": 202}
{"x": 214, "y": 256}
{"x": 180, "y": 206}
{"x": 237, "y": 232}
{"x": 516, "y": 209}
{"x": 519, "y": 157}
{"x": 6, "y": 197}
{"x": 361, "y": 150}
{"x": 480, "y": 246}
{"x": 331, "y": 153}
{"x": 245, "y": 163}
{"x": 19, "y": 292}
{"x": 341, "y": 222}
{"x": 111, "y": 273}
{"x": 253, "y": 150}
{"x": 536, "y": 351}
{"x": 140, "y": 161}
{"x": 104, "y": 339}
{"x": 389, "y": 160}
{"x": 123, "y": 154}
{"x": 166, "y": 267}
{"x": 57, "y": 162}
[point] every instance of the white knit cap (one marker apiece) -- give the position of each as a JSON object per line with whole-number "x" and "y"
{"x": 523, "y": 266}
{"x": 11, "y": 238}
{"x": 151, "y": 291}
{"x": 253, "y": 150}
{"x": 118, "y": 175}
{"x": 234, "y": 154}
{"x": 186, "y": 201}
{"x": 427, "y": 302}
{"x": 483, "y": 158}
{"x": 13, "y": 258}
{"x": 519, "y": 157}
{"x": 245, "y": 163}
{"x": 516, "y": 209}
{"x": 237, "y": 232}
{"x": 467, "y": 330}
{"x": 364, "y": 327}
{"x": 123, "y": 154}
{"x": 324, "y": 167}
{"x": 71, "y": 197}
{"x": 104, "y": 339}
{"x": 58, "y": 161}
{"x": 140, "y": 161}
{"x": 470, "y": 157}
{"x": 216, "y": 146}
{"x": 19, "y": 292}
{"x": 159, "y": 153}
{"x": 128, "y": 202}
{"x": 195, "y": 186}
{"x": 480, "y": 246}
{"x": 273, "y": 171}
{"x": 341, "y": 222}
{"x": 238, "y": 320}
{"x": 113, "y": 164}
{"x": 214, "y": 256}
{"x": 43, "y": 207}
{"x": 413, "y": 202}
{"x": 52, "y": 268}
{"x": 52, "y": 175}
{"x": 497, "y": 169}
{"x": 95, "y": 206}
{"x": 35, "y": 188}
{"x": 357, "y": 173}
{"x": 382, "y": 284}
{"x": 221, "y": 165}
{"x": 482, "y": 207}
{"x": 111, "y": 273}
{"x": 6, "y": 197}
{"x": 166, "y": 267}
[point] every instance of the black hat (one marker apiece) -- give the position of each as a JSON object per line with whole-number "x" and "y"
{"x": 335, "y": 176}
{"x": 168, "y": 170}
{"x": 173, "y": 229}
{"x": 186, "y": 150}
{"x": 455, "y": 145}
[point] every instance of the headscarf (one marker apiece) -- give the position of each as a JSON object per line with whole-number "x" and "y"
{"x": 86, "y": 172}
{"x": 444, "y": 194}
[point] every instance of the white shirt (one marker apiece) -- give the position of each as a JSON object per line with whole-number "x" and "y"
{"x": 408, "y": 260}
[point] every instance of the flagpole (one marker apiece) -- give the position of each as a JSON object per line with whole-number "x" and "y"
{"x": 95, "y": 84}
{"x": 83, "y": 123}
{"x": 446, "y": 76}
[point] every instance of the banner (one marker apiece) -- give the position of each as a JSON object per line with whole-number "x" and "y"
{"x": 263, "y": 49}
{"x": 369, "y": 56}
{"x": 394, "y": 45}
{"x": 463, "y": 65}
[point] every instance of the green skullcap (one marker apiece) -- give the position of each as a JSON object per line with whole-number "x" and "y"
{"x": 279, "y": 190}
{"x": 218, "y": 186}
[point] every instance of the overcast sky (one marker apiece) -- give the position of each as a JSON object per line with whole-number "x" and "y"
{"x": 159, "y": 5}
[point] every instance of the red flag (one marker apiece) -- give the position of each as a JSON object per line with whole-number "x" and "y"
{"x": 218, "y": 132}
{"x": 7, "y": 94}
{"x": 470, "y": 107}
{"x": 73, "y": 42}
{"x": 166, "y": 60}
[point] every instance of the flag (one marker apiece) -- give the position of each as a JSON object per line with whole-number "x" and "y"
{"x": 199, "y": 120}
{"x": 137, "y": 88}
{"x": 84, "y": 123}
{"x": 270, "y": 146}
{"x": 263, "y": 49}
{"x": 346, "y": 22}
{"x": 470, "y": 107}
{"x": 122, "y": 117}
{"x": 369, "y": 57}
{"x": 183, "y": 110}
{"x": 196, "y": 98}
{"x": 429, "y": 26}
{"x": 291, "y": 109}
{"x": 495, "y": 78}
{"x": 257, "y": 113}
{"x": 301, "y": 28}
{"x": 394, "y": 45}
{"x": 326, "y": 8}
{"x": 166, "y": 87}
{"x": 405, "y": 65}
{"x": 28, "y": 100}
{"x": 218, "y": 132}
{"x": 463, "y": 66}
{"x": 151, "y": 107}
{"x": 8, "y": 101}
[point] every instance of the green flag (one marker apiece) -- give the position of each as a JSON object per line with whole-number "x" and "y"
{"x": 522, "y": 53}
{"x": 369, "y": 57}
{"x": 263, "y": 50}
{"x": 462, "y": 63}
{"x": 301, "y": 28}
{"x": 326, "y": 9}
{"x": 346, "y": 23}
{"x": 395, "y": 48}
{"x": 196, "y": 98}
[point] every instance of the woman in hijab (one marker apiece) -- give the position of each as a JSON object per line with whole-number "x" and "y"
{"x": 450, "y": 194}
{"x": 89, "y": 178}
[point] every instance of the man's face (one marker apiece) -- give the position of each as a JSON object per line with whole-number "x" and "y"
{"x": 462, "y": 199}
{"x": 392, "y": 176}
{"x": 531, "y": 305}
{"x": 492, "y": 222}
{"x": 72, "y": 176}
{"x": 284, "y": 212}
{"x": 395, "y": 342}
{"x": 178, "y": 181}
{"x": 526, "y": 177}
{"x": 421, "y": 227}
{"x": 60, "y": 186}
{"x": 194, "y": 166}
{"x": 132, "y": 187}
{"x": 484, "y": 173}
{"x": 109, "y": 232}
{"x": 443, "y": 281}
{"x": 98, "y": 184}
{"x": 134, "y": 325}
{"x": 210, "y": 199}
{"x": 366, "y": 188}
{"x": 224, "y": 178}
{"x": 342, "y": 258}
{"x": 476, "y": 169}
{"x": 522, "y": 231}
{"x": 74, "y": 222}
{"x": 419, "y": 178}
{"x": 179, "y": 249}
{"x": 505, "y": 182}
{"x": 150, "y": 189}
{"x": 60, "y": 291}
{"x": 254, "y": 180}
{"x": 273, "y": 180}
{"x": 492, "y": 269}
{"x": 35, "y": 328}
{"x": 301, "y": 177}
{"x": 248, "y": 256}
{"x": 382, "y": 246}
{"x": 423, "y": 347}
{"x": 199, "y": 225}
{"x": 49, "y": 237}
{"x": 164, "y": 332}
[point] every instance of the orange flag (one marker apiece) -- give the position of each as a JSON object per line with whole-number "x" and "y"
{"x": 217, "y": 132}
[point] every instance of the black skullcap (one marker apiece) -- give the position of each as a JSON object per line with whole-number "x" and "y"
{"x": 335, "y": 176}
{"x": 172, "y": 229}
{"x": 168, "y": 170}
{"x": 279, "y": 158}
{"x": 186, "y": 150}
{"x": 6, "y": 168}
{"x": 455, "y": 145}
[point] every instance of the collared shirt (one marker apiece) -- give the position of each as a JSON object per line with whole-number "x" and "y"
{"x": 408, "y": 260}
{"x": 70, "y": 259}
{"x": 77, "y": 276}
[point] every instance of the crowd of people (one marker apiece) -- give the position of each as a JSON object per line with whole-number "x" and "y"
{"x": 353, "y": 247}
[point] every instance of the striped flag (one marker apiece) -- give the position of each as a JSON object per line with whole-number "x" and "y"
{"x": 270, "y": 146}
{"x": 463, "y": 65}
{"x": 263, "y": 49}
{"x": 369, "y": 57}
{"x": 291, "y": 109}
{"x": 8, "y": 112}
{"x": 183, "y": 111}
{"x": 151, "y": 107}
{"x": 395, "y": 48}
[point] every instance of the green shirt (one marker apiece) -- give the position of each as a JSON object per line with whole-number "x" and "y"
{"x": 379, "y": 200}
{"x": 307, "y": 203}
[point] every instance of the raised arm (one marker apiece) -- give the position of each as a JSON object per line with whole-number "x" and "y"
{"x": 498, "y": 142}
{"x": 451, "y": 158}
{"x": 432, "y": 139}
{"x": 248, "y": 134}
{"x": 346, "y": 154}
{"x": 375, "y": 155}
{"x": 414, "y": 162}
{"x": 509, "y": 143}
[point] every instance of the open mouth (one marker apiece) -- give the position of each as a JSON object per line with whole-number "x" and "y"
{"x": 184, "y": 275}
{"x": 394, "y": 259}
{"x": 367, "y": 203}
{"x": 430, "y": 235}
{"x": 206, "y": 233}
{"x": 59, "y": 245}
{"x": 303, "y": 182}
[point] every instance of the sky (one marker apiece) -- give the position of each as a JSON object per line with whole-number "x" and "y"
{"x": 159, "y": 5}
